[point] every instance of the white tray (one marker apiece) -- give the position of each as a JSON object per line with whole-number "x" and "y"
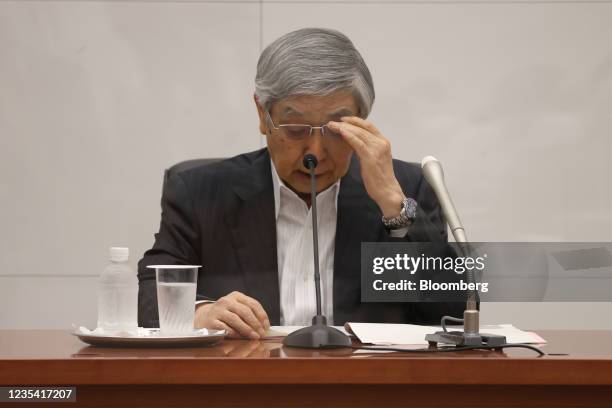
{"x": 148, "y": 337}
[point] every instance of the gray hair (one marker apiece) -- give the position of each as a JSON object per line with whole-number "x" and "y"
{"x": 313, "y": 61}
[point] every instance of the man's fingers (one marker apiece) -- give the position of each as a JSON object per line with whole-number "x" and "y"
{"x": 366, "y": 136}
{"x": 244, "y": 314}
{"x": 357, "y": 121}
{"x": 375, "y": 148}
{"x": 219, "y": 325}
{"x": 349, "y": 136}
{"x": 236, "y": 323}
{"x": 257, "y": 309}
{"x": 247, "y": 315}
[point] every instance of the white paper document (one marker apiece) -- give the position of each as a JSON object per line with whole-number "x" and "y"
{"x": 387, "y": 334}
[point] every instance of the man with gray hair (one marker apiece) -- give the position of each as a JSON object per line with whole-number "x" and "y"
{"x": 246, "y": 219}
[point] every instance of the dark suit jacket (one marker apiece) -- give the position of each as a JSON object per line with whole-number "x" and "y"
{"x": 221, "y": 216}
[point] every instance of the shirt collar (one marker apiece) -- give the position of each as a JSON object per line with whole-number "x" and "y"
{"x": 279, "y": 184}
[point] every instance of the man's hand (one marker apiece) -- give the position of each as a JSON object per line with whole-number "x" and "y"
{"x": 374, "y": 153}
{"x": 239, "y": 314}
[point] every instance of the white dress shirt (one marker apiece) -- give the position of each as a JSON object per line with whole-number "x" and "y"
{"x": 295, "y": 252}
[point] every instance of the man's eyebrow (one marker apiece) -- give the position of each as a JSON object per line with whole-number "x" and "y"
{"x": 291, "y": 111}
{"x": 342, "y": 112}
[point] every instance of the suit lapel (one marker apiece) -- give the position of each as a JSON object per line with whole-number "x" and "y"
{"x": 358, "y": 221}
{"x": 253, "y": 229}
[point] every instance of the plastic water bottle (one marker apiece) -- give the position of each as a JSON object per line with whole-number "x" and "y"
{"x": 118, "y": 295}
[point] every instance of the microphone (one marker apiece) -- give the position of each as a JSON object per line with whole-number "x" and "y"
{"x": 319, "y": 335}
{"x": 310, "y": 162}
{"x": 432, "y": 170}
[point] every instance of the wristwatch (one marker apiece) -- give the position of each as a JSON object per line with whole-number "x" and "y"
{"x": 406, "y": 217}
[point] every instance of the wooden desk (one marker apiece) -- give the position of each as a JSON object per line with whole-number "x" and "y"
{"x": 241, "y": 373}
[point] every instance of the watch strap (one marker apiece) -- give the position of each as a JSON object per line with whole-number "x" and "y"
{"x": 406, "y": 216}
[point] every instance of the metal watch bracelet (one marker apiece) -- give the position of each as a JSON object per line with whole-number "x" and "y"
{"x": 406, "y": 217}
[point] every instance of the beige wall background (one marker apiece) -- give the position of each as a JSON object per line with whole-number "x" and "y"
{"x": 97, "y": 98}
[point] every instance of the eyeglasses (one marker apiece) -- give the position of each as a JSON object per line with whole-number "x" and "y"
{"x": 300, "y": 132}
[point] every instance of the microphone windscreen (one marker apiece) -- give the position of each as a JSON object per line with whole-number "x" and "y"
{"x": 310, "y": 161}
{"x": 427, "y": 159}
{"x": 432, "y": 170}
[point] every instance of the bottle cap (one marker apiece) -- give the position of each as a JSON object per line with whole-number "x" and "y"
{"x": 119, "y": 254}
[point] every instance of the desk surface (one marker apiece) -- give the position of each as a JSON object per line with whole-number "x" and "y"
{"x": 48, "y": 357}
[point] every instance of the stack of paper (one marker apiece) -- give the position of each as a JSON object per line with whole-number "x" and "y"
{"x": 387, "y": 334}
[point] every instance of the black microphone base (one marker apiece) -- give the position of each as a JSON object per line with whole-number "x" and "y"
{"x": 459, "y": 338}
{"x": 317, "y": 336}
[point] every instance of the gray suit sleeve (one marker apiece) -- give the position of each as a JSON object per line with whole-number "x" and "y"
{"x": 429, "y": 224}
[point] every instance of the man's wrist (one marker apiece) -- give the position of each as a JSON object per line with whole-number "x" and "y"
{"x": 202, "y": 304}
{"x": 200, "y": 313}
{"x": 405, "y": 218}
{"x": 392, "y": 205}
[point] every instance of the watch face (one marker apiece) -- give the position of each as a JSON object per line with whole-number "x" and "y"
{"x": 406, "y": 217}
{"x": 410, "y": 207}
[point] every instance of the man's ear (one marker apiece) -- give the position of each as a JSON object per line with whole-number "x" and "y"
{"x": 263, "y": 125}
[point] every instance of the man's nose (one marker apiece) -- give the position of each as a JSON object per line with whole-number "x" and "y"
{"x": 316, "y": 144}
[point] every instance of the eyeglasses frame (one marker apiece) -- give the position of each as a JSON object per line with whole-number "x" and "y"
{"x": 321, "y": 128}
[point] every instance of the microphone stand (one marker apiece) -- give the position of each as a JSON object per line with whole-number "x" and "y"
{"x": 319, "y": 335}
{"x": 470, "y": 336}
